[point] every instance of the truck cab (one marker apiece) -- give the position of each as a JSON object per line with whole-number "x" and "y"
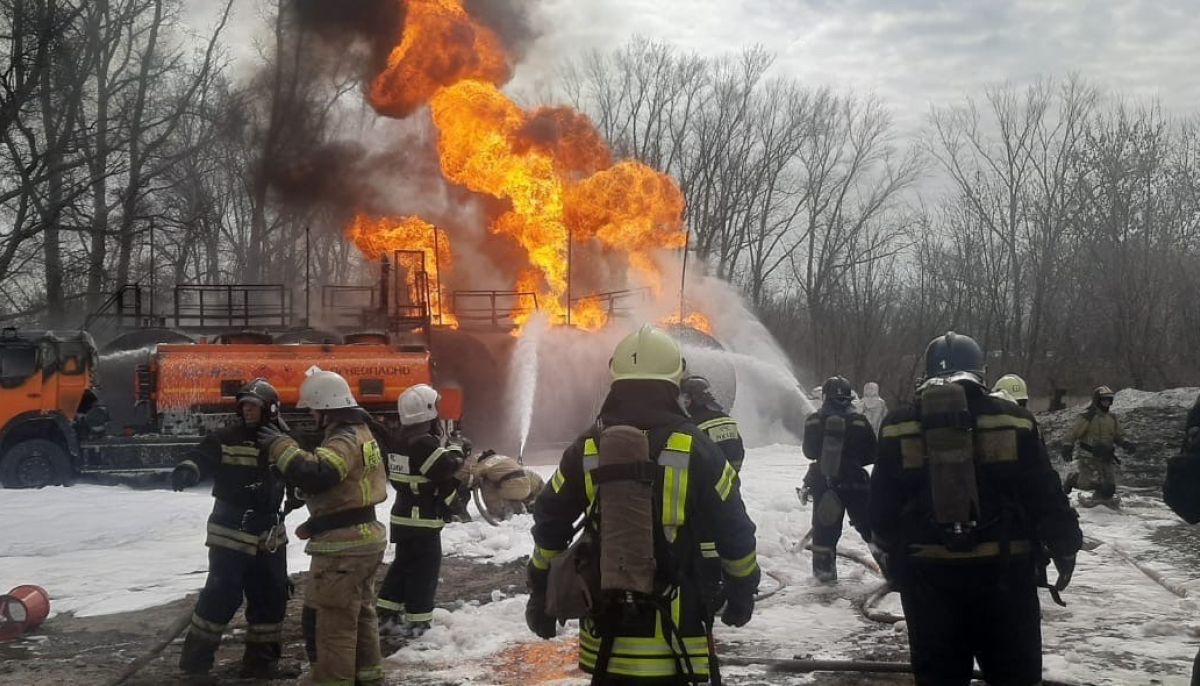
{"x": 46, "y": 390}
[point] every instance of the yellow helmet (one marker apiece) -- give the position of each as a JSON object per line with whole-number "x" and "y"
{"x": 1012, "y": 385}
{"x": 647, "y": 353}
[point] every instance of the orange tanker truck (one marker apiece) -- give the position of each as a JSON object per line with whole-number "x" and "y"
{"x": 56, "y": 421}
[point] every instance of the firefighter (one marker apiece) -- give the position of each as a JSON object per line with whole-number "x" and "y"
{"x": 1097, "y": 432}
{"x": 247, "y": 545}
{"x": 342, "y": 480}
{"x": 1012, "y": 388}
{"x": 965, "y": 512}
{"x": 873, "y": 407}
{"x": 711, "y": 418}
{"x": 700, "y": 549}
{"x": 840, "y": 442}
{"x": 504, "y": 484}
{"x": 423, "y": 471}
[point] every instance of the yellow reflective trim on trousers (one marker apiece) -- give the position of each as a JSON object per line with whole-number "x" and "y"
{"x": 239, "y": 461}
{"x": 541, "y": 557}
{"x": 207, "y": 626}
{"x": 374, "y": 673}
{"x": 389, "y": 605}
{"x": 557, "y": 481}
{"x": 646, "y": 667}
{"x": 911, "y": 428}
{"x": 214, "y": 540}
{"x": 1002, "y": 421}
{"x": 334, "y": 682}
{"x": 286, "y": 458}
{"x": 419, "y": 616}
{"x": 988, "y": 549}
{"x": 235, "y": 534}
{"x": 429, "y": 461}
{"x": 726, "y": 482}
{"x": 741, "y": 567}
{"x": 418, "y": 522}
{"x": 334, "y": 459}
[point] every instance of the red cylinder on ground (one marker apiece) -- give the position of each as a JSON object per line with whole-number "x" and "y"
{"x": 22, "y": 609}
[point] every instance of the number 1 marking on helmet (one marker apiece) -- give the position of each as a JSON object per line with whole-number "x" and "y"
{"x": 634, "y": 356}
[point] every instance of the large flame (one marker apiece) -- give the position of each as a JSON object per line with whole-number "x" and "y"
{"x": 379, "y": 237}
{"x": 550, "y": 166}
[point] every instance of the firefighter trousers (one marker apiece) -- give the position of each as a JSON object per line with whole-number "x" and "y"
{"x": 262, "y": 580}
{"x": 412, "y": 580}
{"x": 830, "y": 506}
{"x": 959, "y": 613}
{"x": 341, "y": 631}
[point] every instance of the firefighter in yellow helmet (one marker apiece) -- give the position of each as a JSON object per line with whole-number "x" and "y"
{"x": 676, "y": 537}
{"x": 1012, "y": 387}
{"x": 342, "y": 480}
{"x": 1098, "y": 434}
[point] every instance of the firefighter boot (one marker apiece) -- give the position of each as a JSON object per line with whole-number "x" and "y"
{"x": 413, "y": 629}
{"x": 1070, "y": 482}
{"x": 198, "y": 653}
{"x": 261, "y": 661}
{"x": 824, "y": 565}
{"x": 391, "y": 623}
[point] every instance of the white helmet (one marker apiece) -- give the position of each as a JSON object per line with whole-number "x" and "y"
{"x": 418, "y": 404}
{"x": 324, "y": 390}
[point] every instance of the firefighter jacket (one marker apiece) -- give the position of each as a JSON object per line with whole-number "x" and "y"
{"x": 503, "y": 474}
{"x": 345, "y": 473}
{"x": 723, "y": 430}
{"x": 858, "y": 446}
{"x": 1021, "y": 501}
{"x": 704, "y": 531}
{"x": 422, "y": 471}
{"x": 1097, "y": 432}
{"x": 248, "y": 493}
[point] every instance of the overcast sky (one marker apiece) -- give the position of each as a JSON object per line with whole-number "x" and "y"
{"x": 910, "y": 52}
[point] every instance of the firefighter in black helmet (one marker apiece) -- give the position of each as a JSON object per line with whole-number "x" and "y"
{"x": 965, "y": 510}
{"x": 247, "y": 545}
{"x": 840, "y": 442}
{"x": 712, "y": 419}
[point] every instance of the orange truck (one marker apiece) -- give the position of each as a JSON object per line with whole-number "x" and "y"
{"x": 55, "y": 421}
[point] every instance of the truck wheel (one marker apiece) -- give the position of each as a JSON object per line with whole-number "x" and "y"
{"x": 35, "y": 463}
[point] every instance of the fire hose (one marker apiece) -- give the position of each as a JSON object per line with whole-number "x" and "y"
{"x": 483, "y": 511}
{"x": 177, "y": 627}
{"x": 805, "y": 665}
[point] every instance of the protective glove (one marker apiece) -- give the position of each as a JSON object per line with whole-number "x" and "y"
{"x": 1068, "y": 453}
{"x": 184, "y": 476}
{"x": 267, "y": 435}
{"x": 294, "y": 500}
{"x": 536, "y": 618}
{"x": 739, "y": 600}
{"x": 1065, "y": 566}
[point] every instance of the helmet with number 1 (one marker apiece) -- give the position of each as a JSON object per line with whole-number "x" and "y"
{"x": 324, "y": 390}
{"x": 954, "y": 357}
{"x": 648, "y": 354}
{"x": 418, "y": 404}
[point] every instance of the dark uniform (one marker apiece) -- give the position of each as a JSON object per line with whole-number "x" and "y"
{"x": 711, "y": 418}
{"x": 247, "y": 551}
{"x": 423, "y": 473}
{"x": 706, "y": 537}
{"x": 834, "y": 496}
{"x": 971, "y": 594}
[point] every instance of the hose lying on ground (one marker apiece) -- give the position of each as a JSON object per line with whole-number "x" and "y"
{"x": 173, "y": 633}
{"x": 783, "y": 583}
{"x": 866, "y": 606}
{"x": 800, "y": 665}
{"x": 1154, "y": 576}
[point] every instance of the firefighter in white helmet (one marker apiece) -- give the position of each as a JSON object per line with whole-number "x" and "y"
{"x": 422, "y": 467}
{"x": 342, "y": 481}
{"x": 1012, "y": 387}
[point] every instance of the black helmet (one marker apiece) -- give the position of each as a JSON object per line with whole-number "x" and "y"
{"x": 697, "y": 390}
{"x": 954, "y": 357}
{"x": 261, "y": 391}
{"x": 837, "y": 392}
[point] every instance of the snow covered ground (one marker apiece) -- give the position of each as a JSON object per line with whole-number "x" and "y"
{"x": 100, "y": 549}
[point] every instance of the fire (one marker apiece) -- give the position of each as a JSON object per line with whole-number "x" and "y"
{"x": 695, "y": 320}
{"x": 441, "y": 44}
{"x": 378, "y": 237}
{"x": 550, "y": 167}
